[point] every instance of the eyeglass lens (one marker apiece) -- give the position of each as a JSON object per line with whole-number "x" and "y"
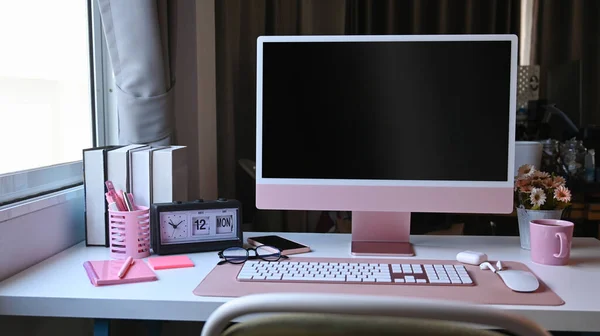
{"x": 237, "y": 255}
{"x": 268, "y": 253}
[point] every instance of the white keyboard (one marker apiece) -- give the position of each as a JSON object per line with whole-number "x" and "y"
{"x": 355, "y": 273}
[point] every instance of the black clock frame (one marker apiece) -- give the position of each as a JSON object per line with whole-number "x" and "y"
{"x": 205, "y": 246}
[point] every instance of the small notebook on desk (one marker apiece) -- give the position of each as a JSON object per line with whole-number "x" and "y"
{"x": 104, "y": 272}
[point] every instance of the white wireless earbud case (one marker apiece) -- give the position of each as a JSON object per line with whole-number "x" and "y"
{"x": 471, "y": 257}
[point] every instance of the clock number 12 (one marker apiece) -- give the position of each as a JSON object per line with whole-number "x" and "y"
{"x": 200, "y": 226}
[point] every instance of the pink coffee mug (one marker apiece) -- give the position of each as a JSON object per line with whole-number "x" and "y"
{"x": 551, "y": 241}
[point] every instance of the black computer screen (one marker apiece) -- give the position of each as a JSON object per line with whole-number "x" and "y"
{"x": 386, "y": 110}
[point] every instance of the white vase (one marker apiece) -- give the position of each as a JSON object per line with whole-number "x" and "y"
{"x": 525, "y": 216}
{"x": 528, "y": 152}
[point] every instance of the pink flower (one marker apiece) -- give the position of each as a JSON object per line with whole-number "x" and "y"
{"x": 558, "y": 181}
{"x": 537, "y": 183}
{"x": 548, "y": 183}
{"x": 526, "y": 189}
{"x": 526, "y": 170}
{"x": 562, "y": 194}
{"x": 523, "y": 182}
{"x": 540, "y": 175}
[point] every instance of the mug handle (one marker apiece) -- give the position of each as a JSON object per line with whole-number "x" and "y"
{"x": 564, "y": 245}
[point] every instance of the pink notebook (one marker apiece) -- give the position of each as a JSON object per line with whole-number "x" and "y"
{"x": 104, "y": 272}
{"x": 178, "y": 261}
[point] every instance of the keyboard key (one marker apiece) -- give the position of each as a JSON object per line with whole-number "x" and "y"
{"x": 441, "y": 281}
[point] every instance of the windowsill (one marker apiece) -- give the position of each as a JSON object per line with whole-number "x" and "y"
{"x": 53, "y": 222}
{"x": 25, "y": 207}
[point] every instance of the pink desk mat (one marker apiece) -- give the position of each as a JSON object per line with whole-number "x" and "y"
{"x": 488, "y": 289}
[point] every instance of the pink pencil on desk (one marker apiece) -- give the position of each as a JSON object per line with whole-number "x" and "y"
{"x": 126, "y": 265}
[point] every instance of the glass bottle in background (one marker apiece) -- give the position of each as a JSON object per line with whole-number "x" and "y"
{"x": 573, "y": 154}
{"x": 551, "y": 160}
{"x": 590, "y": 165}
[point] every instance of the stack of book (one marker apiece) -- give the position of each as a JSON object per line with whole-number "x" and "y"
{"x": 151, "y": 174}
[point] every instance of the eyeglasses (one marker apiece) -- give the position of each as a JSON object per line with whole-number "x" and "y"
{"x": 239, "y": 255}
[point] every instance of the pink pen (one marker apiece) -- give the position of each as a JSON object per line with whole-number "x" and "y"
{"x": 128, "y": 262}
{"x": 111, "y": 203}
{"x": 130, "y": 197}
{"x": 127, "y": 201}
{"x": 113, "y": 193}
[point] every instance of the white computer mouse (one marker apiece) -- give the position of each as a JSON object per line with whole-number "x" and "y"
{"x": 519, "y": 281}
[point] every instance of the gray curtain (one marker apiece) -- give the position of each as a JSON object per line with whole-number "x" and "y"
{"x": 240, "y": 22}
{"x": 140, "y": 35}
{"x": 567, "y": 34}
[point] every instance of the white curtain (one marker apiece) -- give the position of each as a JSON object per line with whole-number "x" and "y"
{"x": 140, "y": 35}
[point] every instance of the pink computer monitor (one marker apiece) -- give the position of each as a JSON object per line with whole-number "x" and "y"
{"x": 384, "y": 126}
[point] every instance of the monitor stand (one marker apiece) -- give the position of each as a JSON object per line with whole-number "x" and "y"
{"x": 381, "y": 233}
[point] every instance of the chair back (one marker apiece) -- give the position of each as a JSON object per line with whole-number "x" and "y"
{"x": 368, "y": 306}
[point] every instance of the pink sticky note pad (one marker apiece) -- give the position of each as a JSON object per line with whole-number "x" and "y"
{"x": 179, "y": 261}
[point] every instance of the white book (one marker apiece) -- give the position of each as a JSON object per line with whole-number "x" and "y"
{"x": 169, "y": 175}
{"x": 118, "y": 166}
{"x": 96, "y": 210}
{"x": 141, "y": 175}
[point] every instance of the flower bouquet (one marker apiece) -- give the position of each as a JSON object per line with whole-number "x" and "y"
{"x": 538, "y": 195}
{"x": 538, "y": 190}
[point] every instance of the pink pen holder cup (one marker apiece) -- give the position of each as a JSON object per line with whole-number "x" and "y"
{"x": 551, "y": 241}
{"x": 129, "y": 233}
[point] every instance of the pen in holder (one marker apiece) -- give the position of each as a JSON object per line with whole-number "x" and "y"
{"x": 129, "y": 233}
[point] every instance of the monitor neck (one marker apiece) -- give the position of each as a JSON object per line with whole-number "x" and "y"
{"x": 381, "y": 233}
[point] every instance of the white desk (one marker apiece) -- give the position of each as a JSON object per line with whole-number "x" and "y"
{"x": 59, "y": 286}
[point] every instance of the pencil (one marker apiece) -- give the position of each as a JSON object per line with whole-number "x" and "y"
{"x": 128, "y": 262}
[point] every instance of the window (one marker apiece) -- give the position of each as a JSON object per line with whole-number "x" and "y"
{"x": 46, "y": 101}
